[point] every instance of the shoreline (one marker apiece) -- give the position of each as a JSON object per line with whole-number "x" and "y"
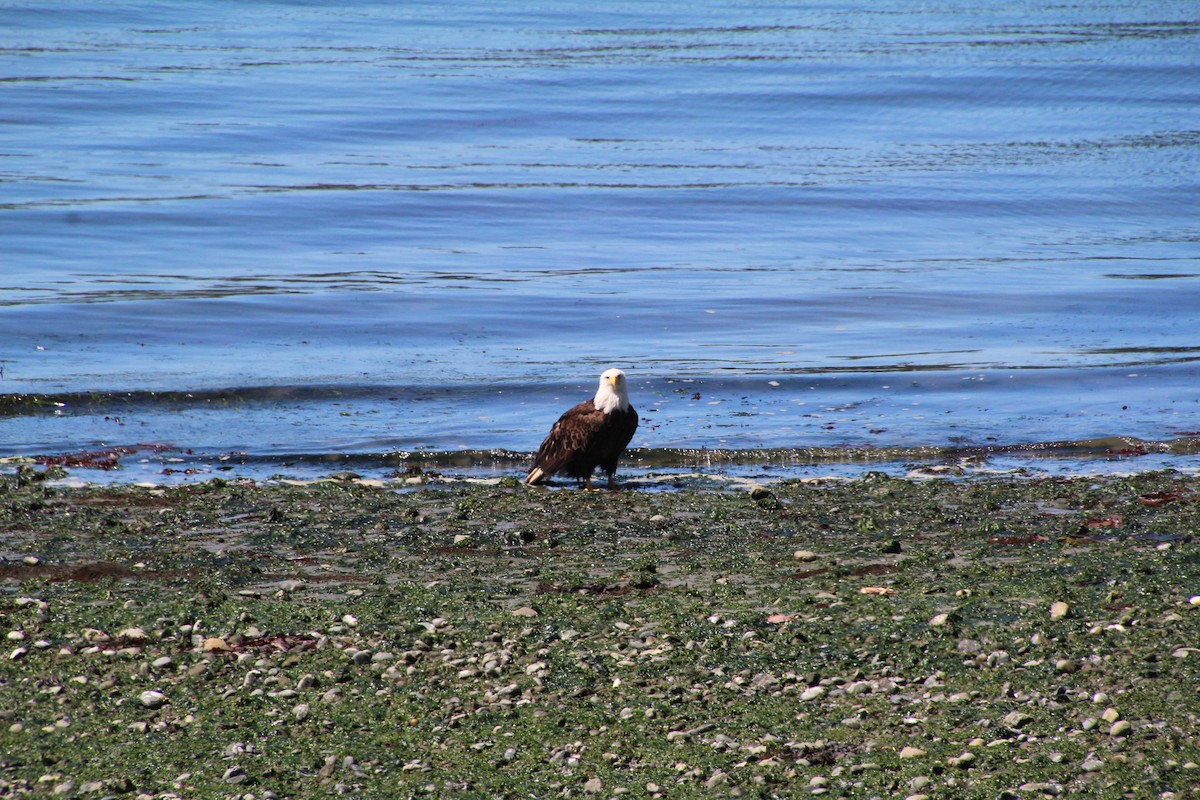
{"x": 643, "y": 468}
{"x": 1004, "y": 635}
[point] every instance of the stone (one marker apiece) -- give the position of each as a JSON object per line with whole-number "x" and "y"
{"x": 812, "y": 693}
{"x": 235, "y": 775}
{"x": 1059, "y": 610}
{"x": 1017, "y": 719}
{"x": 152, "y": 699}
{"x": 718, "y": 778}
{"x": 909, "y": 751}
{"x": 215, "y": 644}
{"x": 1121, "y": 728}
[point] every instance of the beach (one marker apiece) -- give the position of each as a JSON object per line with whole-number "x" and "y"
{"x": 1005, "y": 636}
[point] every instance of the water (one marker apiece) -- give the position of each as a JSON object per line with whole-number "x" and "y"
{"x": 333, "y": 233}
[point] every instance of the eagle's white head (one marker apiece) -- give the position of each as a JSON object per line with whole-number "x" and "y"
{"x": 611, "y": 395}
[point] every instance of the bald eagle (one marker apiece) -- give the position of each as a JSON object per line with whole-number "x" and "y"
{"x": 592, "y": 434}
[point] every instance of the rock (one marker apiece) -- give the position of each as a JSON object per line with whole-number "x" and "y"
{"x": 1059, "y": 610}
{"x": 804, "y": 555}
{"x": 235, "y": 775}
{"x": 152, "y": 699}
{"x": 463, "y": 540}
{"x": 718, "y": 778}
{"x": 301, "y": 712}
{"x": 761, "y": 494}
{"x": 1017, "y": 719}
{"x": 215, "y": 644}
{"x": 911, "y": 752}
{"x": 593, "y": 786}
{"x": 1066, "y": 666}
{"x": 132, "y": 635}
{"x": 812, "y": 693}
{"x": 1092, "y": 764}
{"x": 964, "y": 761}
{"x": 1121, "y": 728}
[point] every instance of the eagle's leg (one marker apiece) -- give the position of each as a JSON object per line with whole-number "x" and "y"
{"x": 587, "y": 484}
{"x": 612, "y": 481}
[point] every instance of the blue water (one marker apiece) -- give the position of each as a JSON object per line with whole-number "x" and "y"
{"x": 288, "y": 229}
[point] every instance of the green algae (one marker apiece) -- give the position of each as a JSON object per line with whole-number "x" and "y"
{"x": 466, "y": 641}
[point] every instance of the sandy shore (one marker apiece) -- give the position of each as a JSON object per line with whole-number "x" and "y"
{"x": 880, "y": 637}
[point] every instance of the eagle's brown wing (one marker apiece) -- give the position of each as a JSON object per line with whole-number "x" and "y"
{"x": 572, "y": 436}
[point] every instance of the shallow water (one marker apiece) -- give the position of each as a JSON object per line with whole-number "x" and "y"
{"x": 321, "y": 231}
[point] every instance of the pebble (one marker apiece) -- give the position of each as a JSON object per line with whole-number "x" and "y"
{"x": 525, "y": 611}
{"x": 718, "y": 778}
{"x": 235, "y": 775}
{"x": 911, "y": 752}
{"x": 1017, "y": 719}
{"x": 215, "y": 644}
{"x": 939, "y": 620}
{"x": 152, "y": 699}
{"x": 132, "y": 634}
{"x": 1059, "y": 609}
{"x": 301, "y": 712}
{"x": 1121, "y": 728}
{"x": 593, "y": 786}
{"x": 1092, "y": 764}
{"x": 1110, "y": 715}
{"x": 804, "y": 555}
{"x": 812, "y": 693}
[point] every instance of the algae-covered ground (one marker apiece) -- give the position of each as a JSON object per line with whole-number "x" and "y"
{"x": 1007, "y": 637}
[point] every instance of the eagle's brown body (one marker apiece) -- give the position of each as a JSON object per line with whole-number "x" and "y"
{"x": 586, "y": 436}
